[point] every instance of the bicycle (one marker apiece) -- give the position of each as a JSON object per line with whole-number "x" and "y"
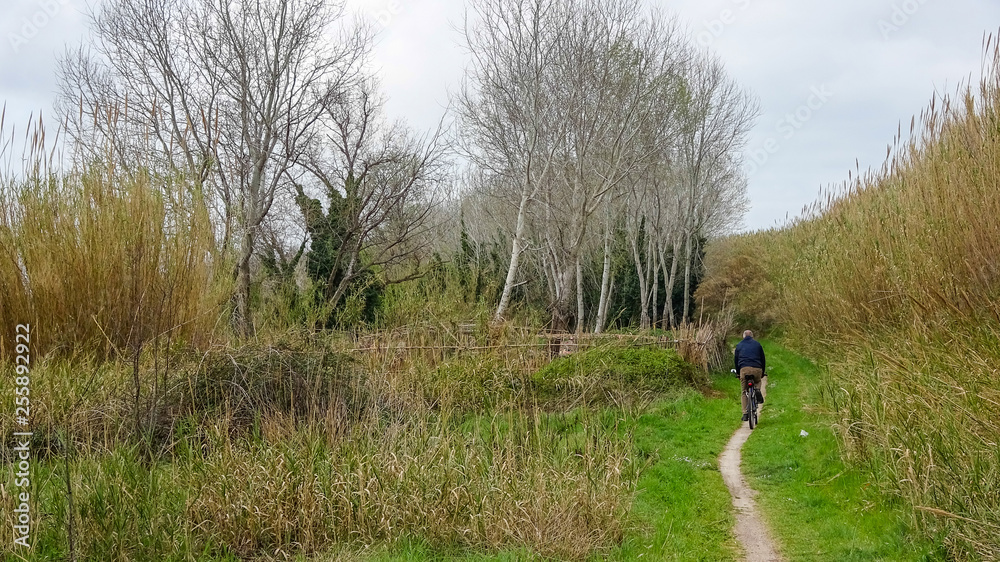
{"x": 751, "y": 394}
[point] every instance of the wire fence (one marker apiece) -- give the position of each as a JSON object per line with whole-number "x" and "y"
{"x": 703, "y": 345}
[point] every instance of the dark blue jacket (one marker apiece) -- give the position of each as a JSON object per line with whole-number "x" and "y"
{"x": 749, "y": 353}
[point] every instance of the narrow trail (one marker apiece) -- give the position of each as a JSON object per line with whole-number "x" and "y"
{"x": 751, "y": 532}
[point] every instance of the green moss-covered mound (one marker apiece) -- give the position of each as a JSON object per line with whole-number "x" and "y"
{"x": 605, "y": 369}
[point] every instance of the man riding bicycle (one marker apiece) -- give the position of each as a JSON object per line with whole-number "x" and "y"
{"x": 750, "y": 362}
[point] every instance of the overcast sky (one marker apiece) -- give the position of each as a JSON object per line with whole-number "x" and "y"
{"x": 834, "y": 79}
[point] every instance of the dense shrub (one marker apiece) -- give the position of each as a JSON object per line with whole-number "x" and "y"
{"x": 593, "y": 373}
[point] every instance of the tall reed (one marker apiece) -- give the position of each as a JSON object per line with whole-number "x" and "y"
{"x": 99, "y": 259}
{"x": 896, "y": 282}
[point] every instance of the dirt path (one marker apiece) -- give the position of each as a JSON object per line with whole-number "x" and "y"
{"x": 750, "y": 530}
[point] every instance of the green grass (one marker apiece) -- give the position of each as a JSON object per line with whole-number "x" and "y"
{"x": 817, "y": 507}
{"x": 682, "y": 509}
{"x": 681, "y": 499}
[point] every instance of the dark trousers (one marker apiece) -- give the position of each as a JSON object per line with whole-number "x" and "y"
{"x": 758, "y": 381}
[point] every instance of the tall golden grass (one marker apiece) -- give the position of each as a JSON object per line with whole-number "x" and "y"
{"x": 319, "y": 441}
{"x": 97, "y": 259}
{"x": 896, "y": 283}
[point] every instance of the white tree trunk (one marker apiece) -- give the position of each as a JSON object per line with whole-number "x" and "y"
{"x": 643, "y": 295}
{"x": 579, "y": 296}
{"x": 515, "y": 257}
{"x": 602, "y": 306}
{"x": 656, "y": 280}
{"x": 687, "y": 277}
{"x": 670, "y": 280}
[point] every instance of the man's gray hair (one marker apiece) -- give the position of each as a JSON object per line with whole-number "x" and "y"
{"x": 747, "y": 334}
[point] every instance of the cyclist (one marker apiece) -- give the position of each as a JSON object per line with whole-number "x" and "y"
{"x": 750, "y": 362}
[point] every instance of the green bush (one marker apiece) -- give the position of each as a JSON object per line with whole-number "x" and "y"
{"x": 601, "y": 370}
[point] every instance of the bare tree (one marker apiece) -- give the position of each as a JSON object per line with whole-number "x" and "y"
{"x": 509, "y": 120}
{"x": 382, "y": 184}
{"x": 566, "y": 103}
{"x": 619, "y": 69}
{"x": 689, "y": 188}
{"x": 716, "y": 119}
{"x": 593, "y": 115}
{"x": 228, "y": 92}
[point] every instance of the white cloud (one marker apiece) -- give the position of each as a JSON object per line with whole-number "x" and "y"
{"x": 778, "y": 49}
{"x": 781, "y": 49}
{"x": 32, "y": 34}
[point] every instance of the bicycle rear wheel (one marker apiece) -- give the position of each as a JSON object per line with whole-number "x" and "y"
{"x": 752, "y": 401}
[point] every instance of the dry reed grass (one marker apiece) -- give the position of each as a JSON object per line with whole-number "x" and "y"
{"x": 896, "y": 283}
{"x": 509, "y": 484}
{"x": 293, "y": 447}
{"x": 99, "y": 260}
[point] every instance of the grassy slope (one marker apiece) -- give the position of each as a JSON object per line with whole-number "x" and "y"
{"x": 818, "y": 508}
{"x": 682, "y": 509}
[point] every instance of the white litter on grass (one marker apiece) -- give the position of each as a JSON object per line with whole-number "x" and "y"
{"x": 691, "y": 461}
{"x": 803, "y": 433}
